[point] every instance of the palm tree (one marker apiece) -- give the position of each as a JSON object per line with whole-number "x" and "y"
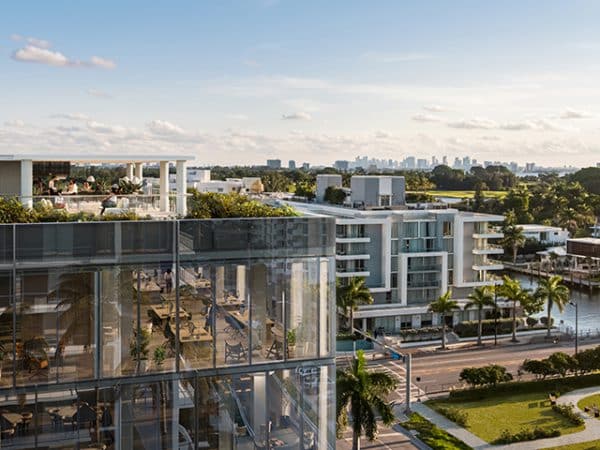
{"x": 514, "y": 292}
{"x": 513, "y": 239}
{"x": 479, "y": 298}
{"x": 443, "y": 306}
{"x": 553, "y": 292}
{"x": 362, "y": 394}
{"x": 350, "y": 296}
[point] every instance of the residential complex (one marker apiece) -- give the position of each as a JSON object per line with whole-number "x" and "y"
{"x": 167, "y": 334}
{"x": 545, "y": 234}
{"x": 410, "y": 257}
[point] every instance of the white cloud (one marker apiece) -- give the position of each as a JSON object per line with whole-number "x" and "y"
{"x": 102, "y": 63}
{"x": 37, "y": 51}
{"x": 382, "y": 134}
{"x": 570, "y": 113}
{"x": 396, "y": 57}
{"x": 237, "y": 116}
{"x": 296, "y": 116}
{"x": 16, "y": 123}
{"x": 71, "y": 116}
{"x": 435, "y": 108}
{"x": 475, "y": 123}
{"x": 490, "y": 138}
{"x": 535, "y": 125}
{"x": 98, "y": 93}
{"x": 102, "y": 128}
{"x": 165, "y": 128}
{"x": 426, "y": 118}
{"x": 33, "y": 54}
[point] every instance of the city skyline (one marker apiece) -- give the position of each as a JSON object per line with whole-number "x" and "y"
{"x": 239, "y": 83}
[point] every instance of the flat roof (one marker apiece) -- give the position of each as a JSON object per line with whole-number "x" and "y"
{"x": 87, "y": 158}
{"x": 536, "y": 227}
{"x": 586, "y": 240}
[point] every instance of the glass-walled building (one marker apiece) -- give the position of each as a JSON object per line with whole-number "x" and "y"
{"x": 176, "y": 334}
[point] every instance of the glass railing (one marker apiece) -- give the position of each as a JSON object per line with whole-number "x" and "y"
{"x": 424, "y": 268}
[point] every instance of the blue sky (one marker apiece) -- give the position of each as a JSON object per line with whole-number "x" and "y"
{"x": 239, "y": 82}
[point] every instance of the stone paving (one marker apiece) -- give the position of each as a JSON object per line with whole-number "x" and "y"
{"x": 590, "y": 433}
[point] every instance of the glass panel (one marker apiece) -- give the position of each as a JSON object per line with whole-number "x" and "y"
{"x": 303, "y": 309}
{"x": 56, "y": 336}
{"x": 6, "y": 329}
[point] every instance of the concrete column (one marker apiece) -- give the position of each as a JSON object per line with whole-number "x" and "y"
{"x": 220, "y": 283}
{"x": 27, "y": 182}
{"x": 139, "y": 167}
{"x": 130, "y": 171}
{"x": 259, "y": 403}
{"x": 240, "y": 282}
{"x": 164, "y": 186}
{"x": 181, "y": 188}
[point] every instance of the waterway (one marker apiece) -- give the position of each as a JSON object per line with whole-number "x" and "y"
{"x": 589, "y": 307}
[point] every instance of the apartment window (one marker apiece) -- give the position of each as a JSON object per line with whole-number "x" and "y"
{"x": 447, "y": 228}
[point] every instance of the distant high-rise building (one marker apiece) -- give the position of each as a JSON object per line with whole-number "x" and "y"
{"x": 487, "y": 163}
{"x": 305, "y": 166}
{"x": 341, "y": 165}
{"x": 410, "y": 162}
{"x": 445, "y": 160}
{"x": 291, "y": 164}
{"x": 513, "y": 166}
{"x": 434, "y": 161}
{"x": 530, "y": 167}
{"x": 466, "y": 163}
{"x": 421, "y": 163}
{"x": 457, "y": 163}
{"x": 274, "y": 163}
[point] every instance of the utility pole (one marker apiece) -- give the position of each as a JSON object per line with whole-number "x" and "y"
{"x": 408, "y": 362}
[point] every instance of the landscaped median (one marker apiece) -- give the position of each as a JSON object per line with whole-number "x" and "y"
{"x": 432, "y": 435}
{"x": 518, "y": 411}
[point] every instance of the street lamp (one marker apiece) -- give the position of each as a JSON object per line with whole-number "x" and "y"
{"x": 576, "y": 325}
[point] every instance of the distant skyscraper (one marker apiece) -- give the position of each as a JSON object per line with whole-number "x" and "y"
{"x": 305, "y": 166}
{"x": 457, "y": 163}
{"x": 487, "y": 163}
{"x": 466, "y": 163}
{"x": 274, "y": 163}
{"x": 291, "y": 164}
{"x": 434, "y": 161}
{"x": 530, "y": 167}
{"x": 513, "y": 166}
{"x": 410, "y": 162}
{"x": 445, "y": 160}
{"x": 342, "y": 165}
{"x": 421, "y": 163}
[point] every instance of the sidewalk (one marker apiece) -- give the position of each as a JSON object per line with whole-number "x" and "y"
{"x": 590, "y": 433}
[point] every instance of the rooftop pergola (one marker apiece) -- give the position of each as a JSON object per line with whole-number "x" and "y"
{"x": 20, "y": 181}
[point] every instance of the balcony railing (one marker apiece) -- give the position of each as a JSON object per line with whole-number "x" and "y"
{"x": 425, "y": 268}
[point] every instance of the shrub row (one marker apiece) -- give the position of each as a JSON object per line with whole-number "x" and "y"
{"x": 469, "y": 328}
{"x": 458, "y": 416}
{"x": 568, "y": 411}
{"x": 526, "y": 435}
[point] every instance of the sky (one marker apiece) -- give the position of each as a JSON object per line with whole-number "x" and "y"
{"x": 237, "y": 82}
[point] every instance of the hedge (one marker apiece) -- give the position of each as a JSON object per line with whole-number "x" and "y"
{"x": 469, "y": 328}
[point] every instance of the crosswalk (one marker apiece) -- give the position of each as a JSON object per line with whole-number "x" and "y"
{"x": 396, "y": 370}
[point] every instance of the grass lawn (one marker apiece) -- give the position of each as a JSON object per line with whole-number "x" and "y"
{"x": 488, "y": 418}
{"x": 467, "y": 194}
{"x": 433, "y": 436}
{"x": 589, "y": 401}
{"x": 591, "y": 445}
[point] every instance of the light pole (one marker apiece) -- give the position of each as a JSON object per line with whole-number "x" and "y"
{"x": 576, "y": 325}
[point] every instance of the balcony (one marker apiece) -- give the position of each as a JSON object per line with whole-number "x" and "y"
{"x": 487, "y": 233}
{"x": 488, "y": 249}
{"x": 423, "y": 284}
{"x": 424, "y": 268}
{"x": 345, "y": 239}
{"x": 487, "y": 265}
{"x": 344, "y": 257}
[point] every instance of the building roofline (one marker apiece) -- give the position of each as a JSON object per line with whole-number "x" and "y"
{"x": 86, "y": 158}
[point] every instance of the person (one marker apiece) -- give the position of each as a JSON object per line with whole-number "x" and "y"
{"x": 110, "y": 201}
{"x": 168, "y": 278}
{"x": 72, "y": 187}
{"x": 59, "y": 200}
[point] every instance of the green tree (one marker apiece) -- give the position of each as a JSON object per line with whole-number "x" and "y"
{"x": 554, "y": 293}
{"x": 334, "y": 195}
{"x": 351, "y": 295}
{"x": 443, "y": 306}
{"x": 479, "y": 298}
{"x": 514, "y": 293}
{"x": 513, "y": 239}
{"x": 364, "y": 395}
{"x": 305, "y": 189}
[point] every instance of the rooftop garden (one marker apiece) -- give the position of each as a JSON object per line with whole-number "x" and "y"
{"x": 200, "y": 206}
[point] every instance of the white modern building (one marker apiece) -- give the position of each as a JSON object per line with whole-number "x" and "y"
{"x": 545, "y": 234}
{"x": 410, "y": 257}
{"x": 200, "y": 179}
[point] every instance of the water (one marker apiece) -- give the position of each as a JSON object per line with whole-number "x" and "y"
{"x": 589, "y": 307}
{"x": 448, "y": 200}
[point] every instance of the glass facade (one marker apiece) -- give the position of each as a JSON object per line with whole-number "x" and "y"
{"x": 168, "y": 334}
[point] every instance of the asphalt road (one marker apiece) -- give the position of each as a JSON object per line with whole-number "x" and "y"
{"x": 387, "y": 439}
{"x": 441, "y": 369}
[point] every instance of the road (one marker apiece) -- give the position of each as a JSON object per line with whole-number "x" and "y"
{"x": 439, "y": 370}
{"x": 387, "y": 439}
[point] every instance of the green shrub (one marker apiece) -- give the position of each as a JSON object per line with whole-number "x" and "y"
{"x": 433, "y": 436}
{"x": 458, "y": 416}
{"x": 469, "y": 328}
{"x": 568, "y": 411}
{"x": 526, "y": 435}
{"x": 13, "y": 211}
{"x": 519, "y": 387}
{"x": 487, "y": 375}
{"x": 532, "y": 321}
{"x": 208, "y": 205}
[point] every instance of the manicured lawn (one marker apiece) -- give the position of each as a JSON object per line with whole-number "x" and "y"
{"x": 467, "y": 194}
{"x": 489, "y": 417}
{"x": 433, "y": 436}
{"x": 591, "y": 445}
{"x": 589, "y": 401}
